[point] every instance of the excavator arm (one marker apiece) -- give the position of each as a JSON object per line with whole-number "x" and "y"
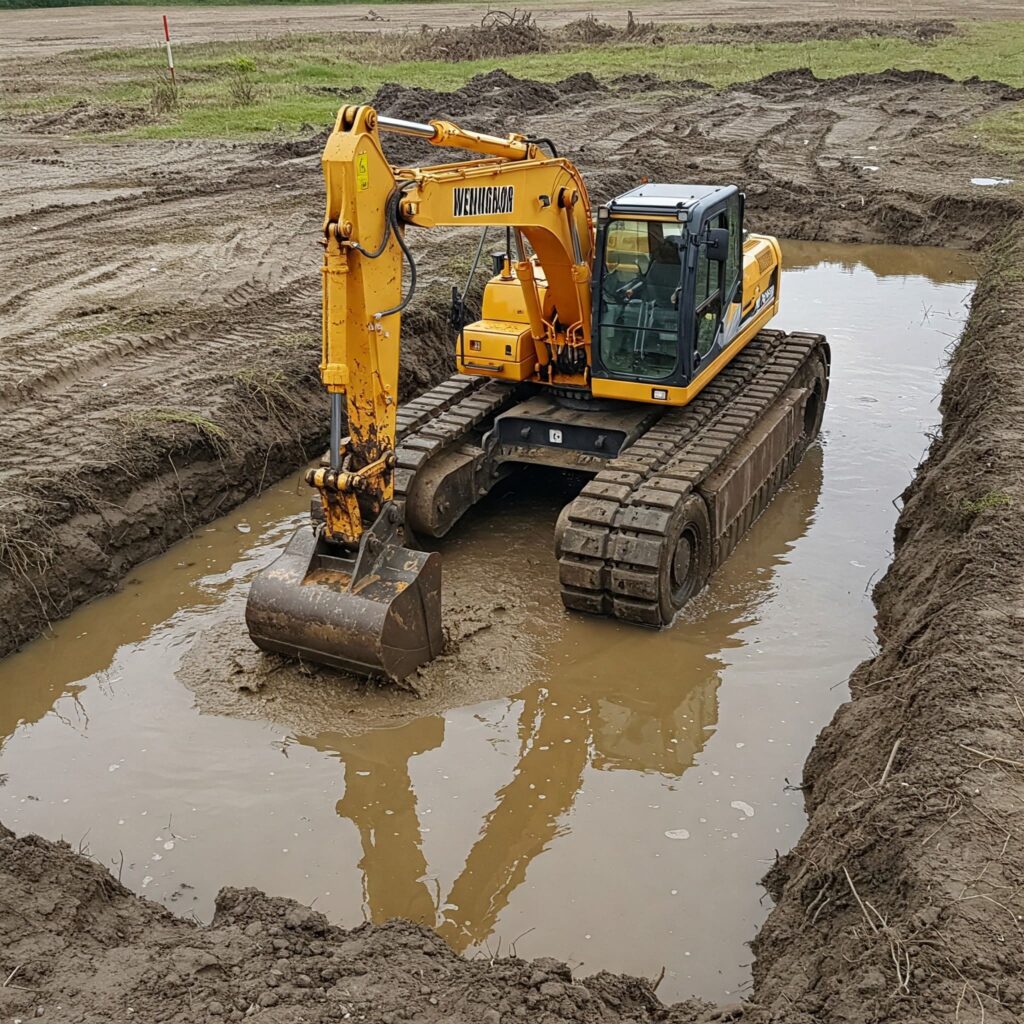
{"x": 350, "y": 593}
{"x": 369, "y": 204}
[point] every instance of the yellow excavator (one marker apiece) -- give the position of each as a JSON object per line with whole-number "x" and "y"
{"x": 630, "y": 347}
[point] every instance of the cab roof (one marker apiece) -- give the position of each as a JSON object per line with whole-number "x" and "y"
{"x": 669, "y": 200}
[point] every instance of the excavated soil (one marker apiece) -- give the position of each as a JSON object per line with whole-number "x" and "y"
{"x": 83, "y": 949}
{"x": 158, "y": 351}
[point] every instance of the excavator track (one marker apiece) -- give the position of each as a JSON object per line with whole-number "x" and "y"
{"x": 646, "y": 532}
{"x": 442, "y": 417}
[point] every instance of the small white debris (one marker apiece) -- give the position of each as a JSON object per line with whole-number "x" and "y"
{"x": 113, "y": 768}
{"x": 146, "y": 881}
{"x": 169, "y": 845}
{"x": 739, "y": 805}
{"x": 677, "y": 833}
{"x": 243, "y": 527}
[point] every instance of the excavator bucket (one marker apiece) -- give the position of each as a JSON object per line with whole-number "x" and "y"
{"x": 376, "y": 611}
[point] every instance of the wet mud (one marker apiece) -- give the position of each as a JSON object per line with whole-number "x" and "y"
{"x": 195, "y": 259}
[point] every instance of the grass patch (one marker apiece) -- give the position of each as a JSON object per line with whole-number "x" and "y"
{"x": 971, "y": 508}
{"x": 1002, "y": 133}
{"x": 206, "y": 427}
{"x": 300, "y": 80}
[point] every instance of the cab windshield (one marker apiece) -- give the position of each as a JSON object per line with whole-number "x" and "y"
{"x": 638, "y": 322}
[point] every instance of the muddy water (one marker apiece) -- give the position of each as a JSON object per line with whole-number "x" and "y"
{"x": 568, "y": 787}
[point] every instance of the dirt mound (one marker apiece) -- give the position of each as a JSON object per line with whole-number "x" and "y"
{"x": 77, "y": 946}
{"x": 85, "y": 117}
{"x": 783, "y": 84}
{"x": 503, "y": 34}
{"x": 589, "y": 30}
{"x": 798, "y": 31}
{"x": 485, "y": 95}
{"x": 495, "y": 102}
{"x": 902, "y": 900}
{"x": 500, "y": 33}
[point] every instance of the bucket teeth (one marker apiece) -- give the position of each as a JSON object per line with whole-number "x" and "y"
{"x": 375, "y": 611}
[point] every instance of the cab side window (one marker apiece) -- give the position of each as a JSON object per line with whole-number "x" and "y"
{"x": 707, "y": 303}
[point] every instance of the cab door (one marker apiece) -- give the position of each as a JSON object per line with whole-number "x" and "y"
{"x": 717, "y": 297}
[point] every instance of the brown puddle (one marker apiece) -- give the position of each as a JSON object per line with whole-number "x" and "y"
{"x": 582, "y": 789}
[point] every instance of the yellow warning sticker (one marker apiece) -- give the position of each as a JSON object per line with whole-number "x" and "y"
{"x": 362, "y": 172}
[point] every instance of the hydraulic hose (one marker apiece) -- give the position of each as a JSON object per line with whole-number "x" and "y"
{"x": 392, "y": 213}
{"x": 545, "y": 142}
{"x": 388, "y": 226}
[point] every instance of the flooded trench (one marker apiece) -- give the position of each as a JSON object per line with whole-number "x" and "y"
{"x": 560, "y": 786}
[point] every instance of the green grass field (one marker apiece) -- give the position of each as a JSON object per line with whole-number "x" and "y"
{"x": 297, "y": 80}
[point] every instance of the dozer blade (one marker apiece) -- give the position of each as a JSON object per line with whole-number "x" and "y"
{"x": 376, "y": 611}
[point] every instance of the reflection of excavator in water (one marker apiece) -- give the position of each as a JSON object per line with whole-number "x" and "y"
{"x": 593, "y": 715}
{"x": 634, "y": 353}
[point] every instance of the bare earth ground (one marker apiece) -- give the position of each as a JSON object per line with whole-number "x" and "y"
{"x": 37, "y": 33}
{"x": 158, "y": 328}
{"x": 157, "y": 359}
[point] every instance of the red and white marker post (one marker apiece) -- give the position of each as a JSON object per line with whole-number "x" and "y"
{"x": 170, "y": 56}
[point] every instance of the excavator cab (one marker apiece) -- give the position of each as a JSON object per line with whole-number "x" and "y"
{"x": 668, "y": 290}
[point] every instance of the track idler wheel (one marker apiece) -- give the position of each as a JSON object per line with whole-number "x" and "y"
{"x": 664, "y": 570}
{"x": 375, "y": 611}
{"x": 685, "y": 556}
{"x": 815, "y": 379}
